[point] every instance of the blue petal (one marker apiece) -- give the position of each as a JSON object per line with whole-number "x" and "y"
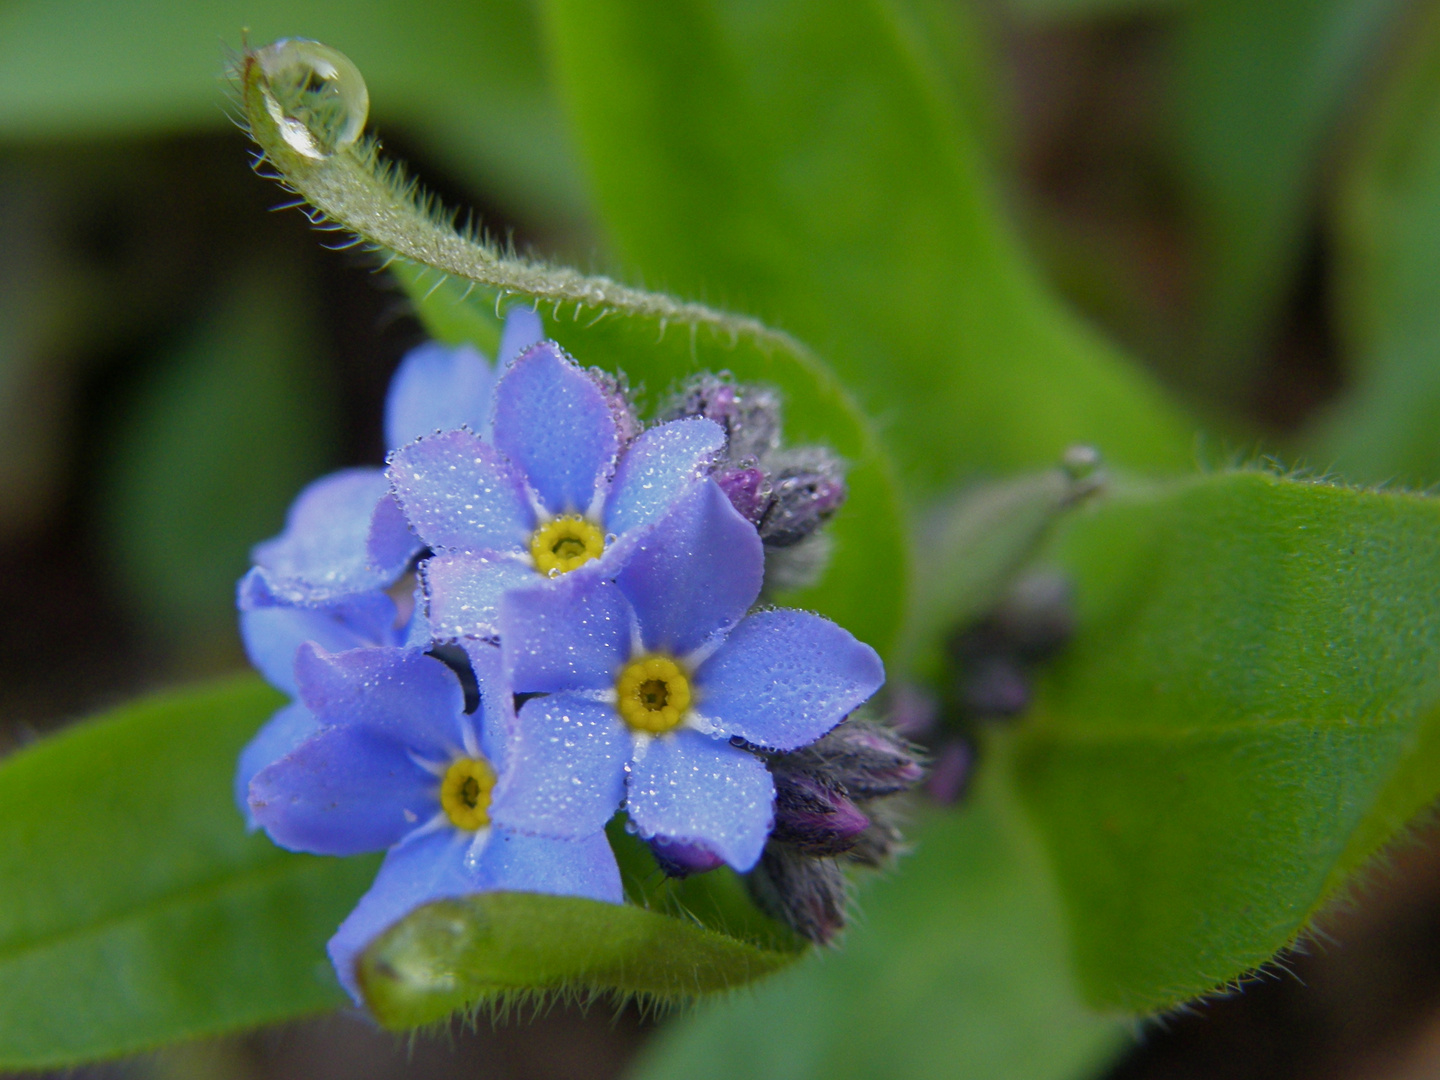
{"x": 569, "y": 634}
{"x": 691, "y": 788}
{"x": 438, "y": 388}
{"x": 419, "y": 871}
{"x": 784, "y": 678}
{"x": 460, "y": 494}
{"x": 463, "y": 591}
{"x": 514, "y": 862}
{"x": 345, "y": 790}
{"x": 522, "y": 329}
{"x": 694, "y": 574}
{"x": 495, "y": 719}
{"x": 273, "y": 633}
{"x": 400, "y": 693}
{"x": 323, "y": 553}
{"x": 554, "y": 423}
{"x": 284, "y": 731}
{"x": 391, "y": 543}
{"x": 566, "y": 772}
{"x": 657, "y": 468}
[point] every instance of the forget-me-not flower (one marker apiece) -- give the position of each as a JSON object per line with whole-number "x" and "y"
{"x": 396, "y": 763}
{"x": 649, "y": 675}
{"x": 555, "y": 487}
{"x": 345, "y": 541}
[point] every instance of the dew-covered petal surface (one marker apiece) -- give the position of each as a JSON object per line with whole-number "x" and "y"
{"x": 438, "y": 388}
{"x": 566, "y": 772}
{"x": 515, "y": 862}
{"x": 569, "y": 634}
{"x": 494, "y": 720}
{"x": 784, "y": 678}
{"x": 401, "y": 693}
{"x": 459, "y": 493}
{"x": 657, "y": 468}
{"x": 344, "y": 791}
{"x": 463, "y": 591}
{"x": 282, "y": 733}
{"x": 691, "y": 788}
{"x": 695, "y": 573}
{"x": 553, "y": 422}
{"x": 523, "y": 328}
{"x": 323, "y": 554}
{"x": 272, "y": 634}
{"x": 419, "y": 871}
{"x": 392, "y": 543}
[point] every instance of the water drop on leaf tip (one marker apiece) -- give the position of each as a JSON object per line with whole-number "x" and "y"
{"x": 315, "y": 95}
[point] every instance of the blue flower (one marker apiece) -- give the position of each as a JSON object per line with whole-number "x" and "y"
{"x": 653, "y": 674}
{"x": 556, "y": 487}
{"x": 346, "y": 541}
{"x": 396, "y": 763}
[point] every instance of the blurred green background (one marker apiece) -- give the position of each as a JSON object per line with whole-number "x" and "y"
{"x": 1244, "y": 196}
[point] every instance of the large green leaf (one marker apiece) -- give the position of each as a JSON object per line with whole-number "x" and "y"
{"x": 1250, "y": 708}
{"x": 1260, "y": 90}
{"x": 134, "y": 909}
{"x": 865, "y": 586}
{"x": 466, "y": 77}
{"x": 956, "y": 970}
{"x": 1387, "y": 282}
{"x": 808, "y": 161}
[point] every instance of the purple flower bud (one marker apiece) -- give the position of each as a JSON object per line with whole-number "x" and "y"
{"x": 617, "y": 395}
{"x": 815, "y": 815}
{"x": 679, "y": 859}
{"x": 866, "y": 760}
{"x": 950, "y": 774}
{"x": 878, "y": 845}
{"x": 746, "y": 488}
{"x": 749, "y": 414}
{"x": 807, "y": 486}
{"x": 806, "y": 894}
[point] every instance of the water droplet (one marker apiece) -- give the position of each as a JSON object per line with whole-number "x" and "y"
{"x": 314, "y": 93}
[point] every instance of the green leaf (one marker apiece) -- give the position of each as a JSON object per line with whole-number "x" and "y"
{"x": 1250, "y": 708}
{"x": 1055, "y": 10}
{"x": 457, "y": 954}
{"x": 1260, "y": 90}
{"x": 467, "y": 78}
{"x": 212, "y": 450}
{"x": 955, "y": 971}
{"x": 809, "y": 162}
{"x": 865, "y": 586}
{"x": 1387, "y": 225}
{"x": 134, "y": 909}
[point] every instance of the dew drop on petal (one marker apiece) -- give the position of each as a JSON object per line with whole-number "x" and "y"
{"x": 315, "y": 94}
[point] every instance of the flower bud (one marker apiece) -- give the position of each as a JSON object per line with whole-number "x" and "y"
{"x": 807, "y": 486}
{"x": 879, "y": 844}
{"x": 749, "y": 414}
{"x": 867, "y": 760}
{"x": 814, "y": 814}
{"x": 806, "y": 894}
{"x": 680, "y": 859}
{"x": 747, "y": 489}
{"x": 617, "y": 395}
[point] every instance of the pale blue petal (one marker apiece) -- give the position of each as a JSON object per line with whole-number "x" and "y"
{"x": 272, "y": 634}
{"x": 566, "y": 772}
{"x": 286, "y": 730}
{"x": 392, "y": 544}
{"x": 657, "y": 469}
{"x": 695, "y": 573}
{"x": 463, "y": 591}
{"x": 418, "y": 872}
{"x": 691, "y": 788}
{"x": 401, "y": 693}
{"x": 569, "y": 634}
{"x": 460, "y": 494}
{"x": 323, "y": 553}
{"x": 784, "y": 678}
{"x": 523, "y": 328}
{"x": 438, "y": 388}
{"x": 555, "y": 425}
{"x": 344, "y": 791}
{"x": 495, "y": 719}
{"x": 514, "y": 862}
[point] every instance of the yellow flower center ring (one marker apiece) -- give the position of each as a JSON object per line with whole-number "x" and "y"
{"x": 565, "y": 542}
{"x": 465, "y": 793}
{"x": 652, "y": 694}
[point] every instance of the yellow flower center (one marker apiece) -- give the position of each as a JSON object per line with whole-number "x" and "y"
{"x": 565, "y": 542}
{"x": 652, "y": 694}
{"x": 465, "y": 793}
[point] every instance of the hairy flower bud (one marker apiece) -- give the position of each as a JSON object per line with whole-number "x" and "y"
{"x": 749, "y": 414}
{"x": 813, "y": 813}
{"x": 804, "y": 893}
{"x": 616, "y": 389}
{"x": 807, "y": 487}
{"x": 747, "y": 488}
{"x": 867, "y": 760}
{"x": 679, "y": 859}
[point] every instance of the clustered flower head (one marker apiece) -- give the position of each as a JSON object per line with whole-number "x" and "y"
{"x": 532, "y": 543}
